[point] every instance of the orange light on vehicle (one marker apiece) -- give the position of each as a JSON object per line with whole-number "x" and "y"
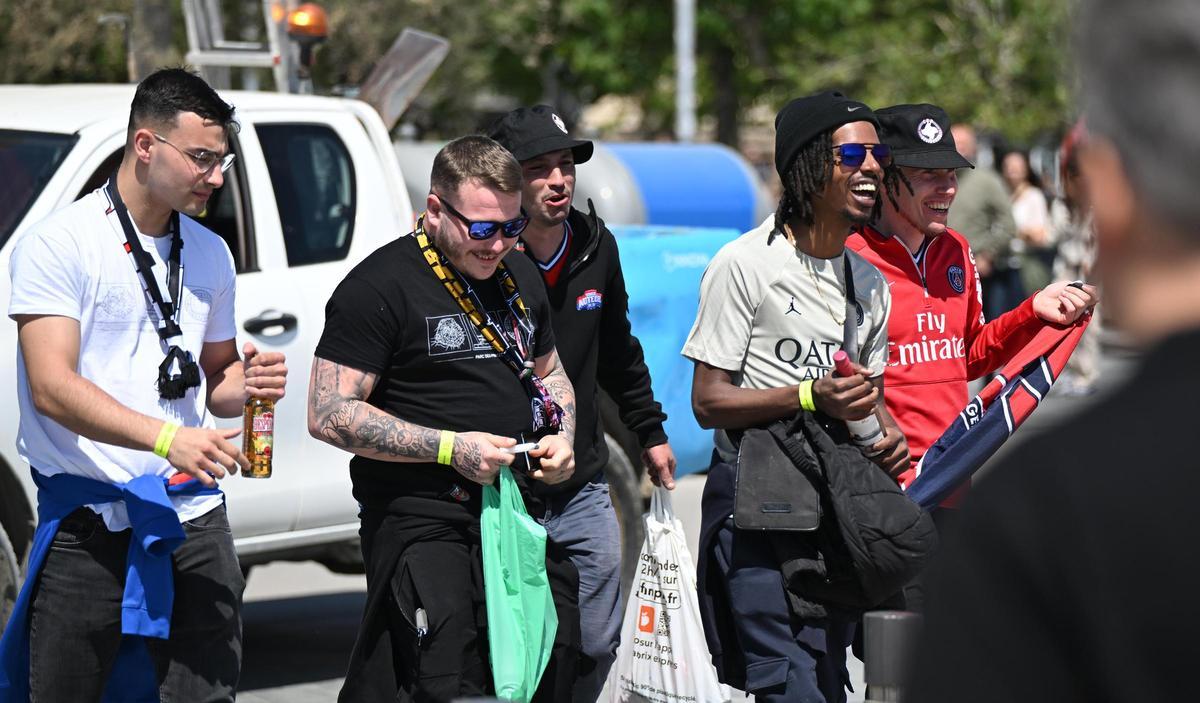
{"x": 308, "y": 21}
{"x": 277, "y": 12}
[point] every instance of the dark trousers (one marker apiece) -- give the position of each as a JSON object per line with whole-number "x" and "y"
{"x": 788, "y": 659}
{"x": 75, "y": 619}
{"x": 415, "y": 563}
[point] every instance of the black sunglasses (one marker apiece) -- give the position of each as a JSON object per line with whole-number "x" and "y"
{"x": 853, "y": 155}
{"x": 485, "y": 229}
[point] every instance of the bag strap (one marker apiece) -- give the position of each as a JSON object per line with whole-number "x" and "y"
{"x": 850, "y": 325}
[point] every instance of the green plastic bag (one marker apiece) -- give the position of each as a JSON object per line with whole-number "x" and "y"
{"x": 520, "y": 609}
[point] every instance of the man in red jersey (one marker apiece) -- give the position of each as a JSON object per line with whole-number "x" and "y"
{"x": 937, "y": 338}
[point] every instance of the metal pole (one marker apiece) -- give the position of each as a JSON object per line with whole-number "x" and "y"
{"x": 122, "y": 20}
{"x": 890, "y": 640}
{"x": 685, "y": 70}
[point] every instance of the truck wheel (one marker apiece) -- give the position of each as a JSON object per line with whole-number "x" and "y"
{"x": 624, "y": 487}
{"x": 10, "y": 578}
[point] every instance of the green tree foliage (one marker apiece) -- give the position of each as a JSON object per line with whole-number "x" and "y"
{"x": 999, "y": 63}
{"x": 60, "y": 42}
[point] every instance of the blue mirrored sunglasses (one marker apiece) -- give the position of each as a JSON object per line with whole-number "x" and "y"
{"x": 485, "y": 229}
{"x": 853, "y": 155}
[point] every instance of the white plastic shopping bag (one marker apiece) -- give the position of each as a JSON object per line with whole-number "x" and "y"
{"x": 663, "y": 657}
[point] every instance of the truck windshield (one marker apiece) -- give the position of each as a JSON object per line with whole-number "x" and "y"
{"x": 28, "y": 160}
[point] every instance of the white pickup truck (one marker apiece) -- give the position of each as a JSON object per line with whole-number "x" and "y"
{"x": 315, "y": 188}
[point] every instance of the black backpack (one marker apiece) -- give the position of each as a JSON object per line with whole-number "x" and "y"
{"x": 872, "y": 539}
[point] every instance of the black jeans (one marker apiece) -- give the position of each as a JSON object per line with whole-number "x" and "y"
{"x": 435, "y": 565}
{"x": 75, "y": 620}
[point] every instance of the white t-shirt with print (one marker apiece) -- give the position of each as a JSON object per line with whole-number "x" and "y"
{"x": 74, "y": 264}
{"x": 772, "y": 316}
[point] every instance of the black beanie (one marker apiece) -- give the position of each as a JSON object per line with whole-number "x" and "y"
{"x": 801, "y": 120}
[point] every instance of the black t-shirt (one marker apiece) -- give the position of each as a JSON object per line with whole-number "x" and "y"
{"x": 392, "y": 317}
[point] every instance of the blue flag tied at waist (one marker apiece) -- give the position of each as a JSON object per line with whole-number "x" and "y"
{"x": 149, "y": 584}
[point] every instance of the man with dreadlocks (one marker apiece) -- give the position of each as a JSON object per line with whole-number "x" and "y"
{"x": 938, "y": 339}
{"x": 773, "y": 307}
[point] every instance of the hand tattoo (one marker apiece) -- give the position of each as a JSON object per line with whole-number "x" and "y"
{"x": 467, "y": 458}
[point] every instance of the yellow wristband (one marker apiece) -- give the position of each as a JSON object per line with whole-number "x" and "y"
{"x": 806, "y": 397}
{"x": 165, "y": 436}
{"x": 446, "y": 447}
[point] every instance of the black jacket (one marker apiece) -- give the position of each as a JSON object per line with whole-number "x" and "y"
{"x": 1069, "y": 577}
{"x": 590, "y": 310}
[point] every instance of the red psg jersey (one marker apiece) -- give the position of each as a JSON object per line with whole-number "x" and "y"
{"x": 937, "y": 340}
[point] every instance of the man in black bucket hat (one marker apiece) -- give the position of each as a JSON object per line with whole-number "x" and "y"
{"x": 938, "y": 341}
{"x": 579, "y": 263}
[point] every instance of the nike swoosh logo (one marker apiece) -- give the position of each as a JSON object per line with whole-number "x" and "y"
{"x": 852, "y": 109}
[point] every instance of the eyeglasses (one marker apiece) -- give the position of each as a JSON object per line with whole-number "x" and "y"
{"x": 484, "y": 229}
{"x": 853, "y": 155}
{"x": 205, "y": 160}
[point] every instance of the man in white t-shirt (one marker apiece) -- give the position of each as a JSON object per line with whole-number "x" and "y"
{"x": 125, "y": 315}
{"x": 773, "y": 309}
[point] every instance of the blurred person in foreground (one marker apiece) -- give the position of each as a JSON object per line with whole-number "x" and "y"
{"x": 1069, "y": 578}
{"x": 982, "y": 213}
{"x": 1071, "y": 221}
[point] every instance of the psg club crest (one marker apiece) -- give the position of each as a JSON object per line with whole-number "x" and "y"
{"x": 957, "y": 278}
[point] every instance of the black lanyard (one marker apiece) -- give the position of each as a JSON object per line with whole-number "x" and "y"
{"x": 168, "y": 310}
{"x": 547, "y": 414}
{"x": 171, "y": 386}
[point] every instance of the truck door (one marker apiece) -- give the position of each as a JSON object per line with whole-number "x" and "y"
{"x": 243, "y": 214}
{"x": 333, "y": 208}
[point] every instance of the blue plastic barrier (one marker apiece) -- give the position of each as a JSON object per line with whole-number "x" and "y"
{"x": 693, "y": 185}
{"x": 663, "y": 266}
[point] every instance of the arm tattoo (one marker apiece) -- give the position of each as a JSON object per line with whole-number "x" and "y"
{"x": 339, "y": 414}
{"x": 563, "y": 392}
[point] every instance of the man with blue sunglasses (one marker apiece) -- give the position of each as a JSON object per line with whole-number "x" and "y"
{"x": 775, "y": 305}
{"x": 578, "y": 260}
{"x": 438, "y": 357}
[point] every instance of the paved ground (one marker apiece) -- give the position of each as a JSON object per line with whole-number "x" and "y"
{"x": 300, "y": 622}
{"x": 301, "y": 619}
